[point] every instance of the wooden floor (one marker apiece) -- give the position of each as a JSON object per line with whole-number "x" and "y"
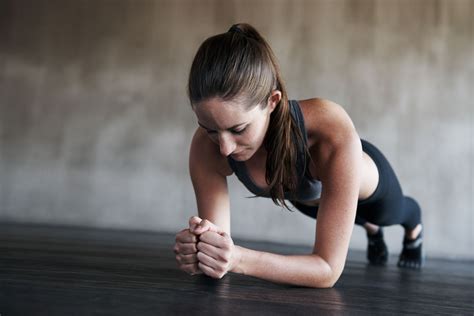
{"x": 47, "y": 270}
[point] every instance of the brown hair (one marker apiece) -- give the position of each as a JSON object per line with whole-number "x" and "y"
{"x": 239, "y": 64}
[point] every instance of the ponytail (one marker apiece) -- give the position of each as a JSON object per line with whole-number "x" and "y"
{"x": 240, "y": 63}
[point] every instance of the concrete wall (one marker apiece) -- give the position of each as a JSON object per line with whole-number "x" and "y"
{"x": 95, "y": 125}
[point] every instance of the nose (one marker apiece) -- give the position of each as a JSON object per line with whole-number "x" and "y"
{"x": 226, "y": 144}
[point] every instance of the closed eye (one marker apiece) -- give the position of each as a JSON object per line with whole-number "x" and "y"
{"x": 240, "y": 131}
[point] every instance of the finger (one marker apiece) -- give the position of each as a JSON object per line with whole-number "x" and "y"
{"x": 206, "y": 225}
{"x": 193, "y": 222}
{"x": 186, "y": 249}
{"x": 203, "y": 226}
{"x": 187, "y": 259}
{"x": 214, "y": 239}
{"x": 192, "y": 268}
{"x": 208, "y": 249}
{"x": 209, "y": 271}
{"x": 186, "y": 236}
{"x": 207, "y": 260}
{"x": 196, "y": 271}
{"x": 187, "y": 239}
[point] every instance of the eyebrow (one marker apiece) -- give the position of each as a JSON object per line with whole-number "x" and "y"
{"x": 230, "y": 128}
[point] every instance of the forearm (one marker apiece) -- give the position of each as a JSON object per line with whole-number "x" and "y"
{"x": 303, "y": 270}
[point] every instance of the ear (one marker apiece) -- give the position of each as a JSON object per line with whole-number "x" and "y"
{"x": 273, "y": 100}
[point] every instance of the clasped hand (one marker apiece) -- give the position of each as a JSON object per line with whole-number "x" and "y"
{"x": 205, "y": 248}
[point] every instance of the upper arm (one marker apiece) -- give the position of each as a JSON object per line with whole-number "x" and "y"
{"x": 339, "y": 158}
{"x": 208, "y": 170}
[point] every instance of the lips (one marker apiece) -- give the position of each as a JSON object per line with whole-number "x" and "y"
{"x": 236, "y": 154}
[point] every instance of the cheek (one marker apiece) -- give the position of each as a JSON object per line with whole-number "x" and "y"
{"x": 254, "y": 138}
{"x": 259, "y": 133}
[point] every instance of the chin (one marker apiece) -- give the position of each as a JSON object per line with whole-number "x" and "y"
{"x": 243, "y": 156}
{"x": 239, "y": 157}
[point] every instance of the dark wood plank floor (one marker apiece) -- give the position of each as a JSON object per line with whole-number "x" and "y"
{"x": 47, "y": 270}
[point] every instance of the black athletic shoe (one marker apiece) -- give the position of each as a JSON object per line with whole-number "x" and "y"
{"x": 377, "y": 251}
{"x": 412, "y": 255}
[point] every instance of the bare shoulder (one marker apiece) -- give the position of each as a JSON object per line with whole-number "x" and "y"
{"x": 329, "y": 129}
{"x": 325, "y": 121}
{"x": 205, "y": 154}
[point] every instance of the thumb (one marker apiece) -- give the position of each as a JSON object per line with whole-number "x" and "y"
{"x": 194, "y": 222}
{"x": 206, "y": 225}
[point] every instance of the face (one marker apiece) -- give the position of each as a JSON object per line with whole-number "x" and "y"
{"x": 238, "y": 132}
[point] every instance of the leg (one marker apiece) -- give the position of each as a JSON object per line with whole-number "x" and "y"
{"x": 412, "y": 254}
{"x": 388, "y": 206}
{"x": 413, "y": 233}
{"x": 377, "y": 252}
{"x": 371, "y": 229}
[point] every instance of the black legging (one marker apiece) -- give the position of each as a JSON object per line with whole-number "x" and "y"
{"x": 387, "y": 205}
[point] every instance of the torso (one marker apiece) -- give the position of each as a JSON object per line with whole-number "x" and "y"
{"x": 257, "y": 163}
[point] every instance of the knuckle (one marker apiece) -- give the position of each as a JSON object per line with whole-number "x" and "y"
{"x": 179, "y": 236}
{"x": 220, "y": 269}
{"x": 187, "y": 268}
{"x": 193, "y": 219}
{"x": 225, "y": 258}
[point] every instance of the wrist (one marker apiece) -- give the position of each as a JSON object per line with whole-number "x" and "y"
{"x": 237, "y": 260}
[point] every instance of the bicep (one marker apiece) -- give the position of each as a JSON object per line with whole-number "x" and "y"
{"x": 210, "y": 185}
{"x": 339, "y": 197}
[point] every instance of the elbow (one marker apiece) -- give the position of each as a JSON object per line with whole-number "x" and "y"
{"x": 328, "y": 278}
{"x": 333, "y": 277}
{"x": 328, "y": 283}
{"x": 331, "y": 282}
{"x": 323, "y": 284}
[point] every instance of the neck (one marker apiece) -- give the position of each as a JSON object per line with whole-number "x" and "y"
{"x": 261, "y": 152}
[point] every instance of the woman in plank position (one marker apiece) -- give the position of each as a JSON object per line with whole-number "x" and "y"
{"x": 304, "y": 152}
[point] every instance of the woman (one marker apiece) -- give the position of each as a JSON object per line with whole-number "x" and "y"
{"x": 305, "y": 152}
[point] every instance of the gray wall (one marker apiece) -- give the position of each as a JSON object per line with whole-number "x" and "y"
{"x": 95, "y": 125}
